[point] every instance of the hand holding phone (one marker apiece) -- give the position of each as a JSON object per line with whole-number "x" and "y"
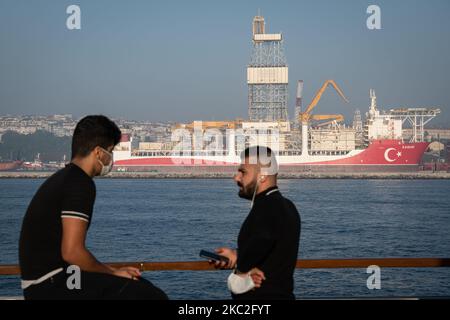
{"x": 213, "y": 256}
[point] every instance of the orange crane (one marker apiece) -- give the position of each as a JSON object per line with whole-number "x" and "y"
{"x": 306, "y": 117}
{"x": 211, "y": 124}
{"x": 331, "y": 117}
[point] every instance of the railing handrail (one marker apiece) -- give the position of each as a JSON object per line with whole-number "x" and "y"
{"x": 6, "y": 270}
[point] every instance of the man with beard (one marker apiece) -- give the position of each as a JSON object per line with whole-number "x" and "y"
{"x": 264, "y": 262}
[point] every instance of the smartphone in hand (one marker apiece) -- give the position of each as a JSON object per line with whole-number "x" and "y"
{"x": 213, "y": 256}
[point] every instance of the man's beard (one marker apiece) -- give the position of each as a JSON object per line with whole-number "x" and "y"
{"x": 247, "y": 192}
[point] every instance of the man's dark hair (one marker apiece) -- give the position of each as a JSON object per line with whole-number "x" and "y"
{"x": 258, "y": 151}
{"x": 93, "y": 131}
{"x": 263, "y": 156}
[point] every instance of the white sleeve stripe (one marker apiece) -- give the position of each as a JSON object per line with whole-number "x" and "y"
{"x": 76, "y": 213}
{"x": 74, "y": 217}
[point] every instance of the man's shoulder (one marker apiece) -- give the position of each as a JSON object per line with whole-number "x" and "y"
{"x": 275, "y": 202}
{"x": 69, "y": 177}
{"x": 72, "y": 174}
{"x": 270, "y": 204}
{"x": 275, "y": 197}
{"x": 57, "y": 179}
{"x": 290, "y": 203}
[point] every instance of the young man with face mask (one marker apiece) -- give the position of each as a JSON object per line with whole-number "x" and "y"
{"x": 55, "y": 226}
{"x": 268, "y": 241}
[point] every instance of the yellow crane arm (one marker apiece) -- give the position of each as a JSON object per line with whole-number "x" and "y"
{"x": 332, "y": 117}
{"x": 305, "y": 116}
{"x": 210, "y": 124}
{"x": 319, "y": 117}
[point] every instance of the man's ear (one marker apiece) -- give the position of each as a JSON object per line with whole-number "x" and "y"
{"x": 96, "y": 152}
{"x": 263, "y": 174}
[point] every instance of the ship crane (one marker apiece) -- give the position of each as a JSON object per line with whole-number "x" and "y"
{"x": 210, "y": 124}
{"x": 333, "y": 119}
{"x": 306, "y": 117}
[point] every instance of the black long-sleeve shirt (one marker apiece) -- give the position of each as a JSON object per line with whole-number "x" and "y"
{"x": 269, "y": 240}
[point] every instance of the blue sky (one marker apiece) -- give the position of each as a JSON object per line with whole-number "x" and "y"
{"x": 186, "y": 60}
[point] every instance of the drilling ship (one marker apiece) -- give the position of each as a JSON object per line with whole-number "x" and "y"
{"x": 327, "y": 148}
{"x": 309, "y": 142}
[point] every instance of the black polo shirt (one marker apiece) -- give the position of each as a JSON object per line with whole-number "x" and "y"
{"x": 69, "y": 193}
{"x": 269, "y": 240}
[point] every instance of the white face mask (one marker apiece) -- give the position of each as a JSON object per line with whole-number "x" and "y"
{"x": 239, "y": 284}
{"x": 106, "y": 168}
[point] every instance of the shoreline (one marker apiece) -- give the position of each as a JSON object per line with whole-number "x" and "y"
{"x": 425, "y": 175}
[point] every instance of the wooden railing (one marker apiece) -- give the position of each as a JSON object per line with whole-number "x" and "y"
{"x": 301, "y": 264}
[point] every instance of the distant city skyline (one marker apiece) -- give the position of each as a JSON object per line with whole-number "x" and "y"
{"x": 186, "y": 60}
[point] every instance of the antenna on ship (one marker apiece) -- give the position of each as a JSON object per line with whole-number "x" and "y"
{"x": 373, "y": 100}
{"x": 298, "y": 103}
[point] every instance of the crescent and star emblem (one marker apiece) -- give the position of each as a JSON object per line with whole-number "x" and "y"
{"x": 386, "y": 154}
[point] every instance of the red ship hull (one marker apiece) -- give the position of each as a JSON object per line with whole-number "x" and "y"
{"x": 9, "y": 166}
{"x": 380, "y": 155}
